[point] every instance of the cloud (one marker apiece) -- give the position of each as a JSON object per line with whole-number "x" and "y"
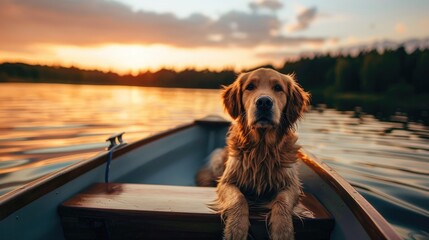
{"x": 304, "y": 19}
{"x": 272, "y": 5}
{"x": 25, "y": 23}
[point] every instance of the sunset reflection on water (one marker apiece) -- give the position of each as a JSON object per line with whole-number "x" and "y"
{"x": 47, "y": 126}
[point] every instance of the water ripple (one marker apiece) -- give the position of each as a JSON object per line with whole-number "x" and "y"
{"x": 43, "y": 130}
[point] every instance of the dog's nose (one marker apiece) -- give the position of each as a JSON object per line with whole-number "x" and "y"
{"x": 264, "y": 103}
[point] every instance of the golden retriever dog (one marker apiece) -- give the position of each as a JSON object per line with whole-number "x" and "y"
{"x": 258, "y": 166}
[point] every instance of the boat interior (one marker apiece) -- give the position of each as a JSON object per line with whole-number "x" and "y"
{"x": 151, "y": 194}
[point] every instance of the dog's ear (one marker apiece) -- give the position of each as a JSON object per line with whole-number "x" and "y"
{"x": 297, "y": 102}
{"x": 231, "y": 96}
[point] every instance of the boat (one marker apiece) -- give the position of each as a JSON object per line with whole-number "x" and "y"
{"x": 146, "y": 190}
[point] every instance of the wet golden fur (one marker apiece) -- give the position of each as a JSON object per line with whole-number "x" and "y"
{"x": 258, "y": 166}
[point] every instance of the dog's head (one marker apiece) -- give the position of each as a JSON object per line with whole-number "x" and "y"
{"x": 265, "y": 98}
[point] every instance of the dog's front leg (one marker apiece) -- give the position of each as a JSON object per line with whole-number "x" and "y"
{"x": 280, "y": 217}
{"x": 234, "y": 210}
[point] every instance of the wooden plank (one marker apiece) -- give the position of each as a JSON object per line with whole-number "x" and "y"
{"x": 158, "y": 211}
{"x": 145, "y": 199}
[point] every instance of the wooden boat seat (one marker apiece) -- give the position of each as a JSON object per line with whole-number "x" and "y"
{"x": 140, "y": 211}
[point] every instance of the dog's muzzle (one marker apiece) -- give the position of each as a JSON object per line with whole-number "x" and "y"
{"x": 264, "y": 113}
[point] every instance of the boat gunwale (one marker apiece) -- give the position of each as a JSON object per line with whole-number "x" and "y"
{"x": 371, "y": 220}
{"x": 24, "y": 195}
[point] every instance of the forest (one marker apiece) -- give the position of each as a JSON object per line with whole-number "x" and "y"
{"x": 393, "y": 79}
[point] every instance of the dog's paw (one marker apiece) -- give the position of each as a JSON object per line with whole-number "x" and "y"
{"x": 236, "y": 228}
{"x": 281, "y": 226}
{"x": 281, "y": 231}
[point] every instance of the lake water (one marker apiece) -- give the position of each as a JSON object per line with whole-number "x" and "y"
{"x": 44, "y": 127}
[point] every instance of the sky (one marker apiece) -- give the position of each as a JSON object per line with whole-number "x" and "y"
{"x": 128, "y": 36}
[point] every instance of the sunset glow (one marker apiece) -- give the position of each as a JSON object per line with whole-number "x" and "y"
{"x": 134, "y": 58}
{"x": 128, "y": 36}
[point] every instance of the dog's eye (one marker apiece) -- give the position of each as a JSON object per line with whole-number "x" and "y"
{"x": 250, "y": 86}
{"x": 277, "y": 88}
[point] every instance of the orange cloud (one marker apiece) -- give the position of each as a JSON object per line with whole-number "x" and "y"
{"x": 24, "y": 23}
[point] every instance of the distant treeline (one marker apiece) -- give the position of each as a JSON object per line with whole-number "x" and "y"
{"x": 369, "y": 72}
{"x": 189, "y": 78}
